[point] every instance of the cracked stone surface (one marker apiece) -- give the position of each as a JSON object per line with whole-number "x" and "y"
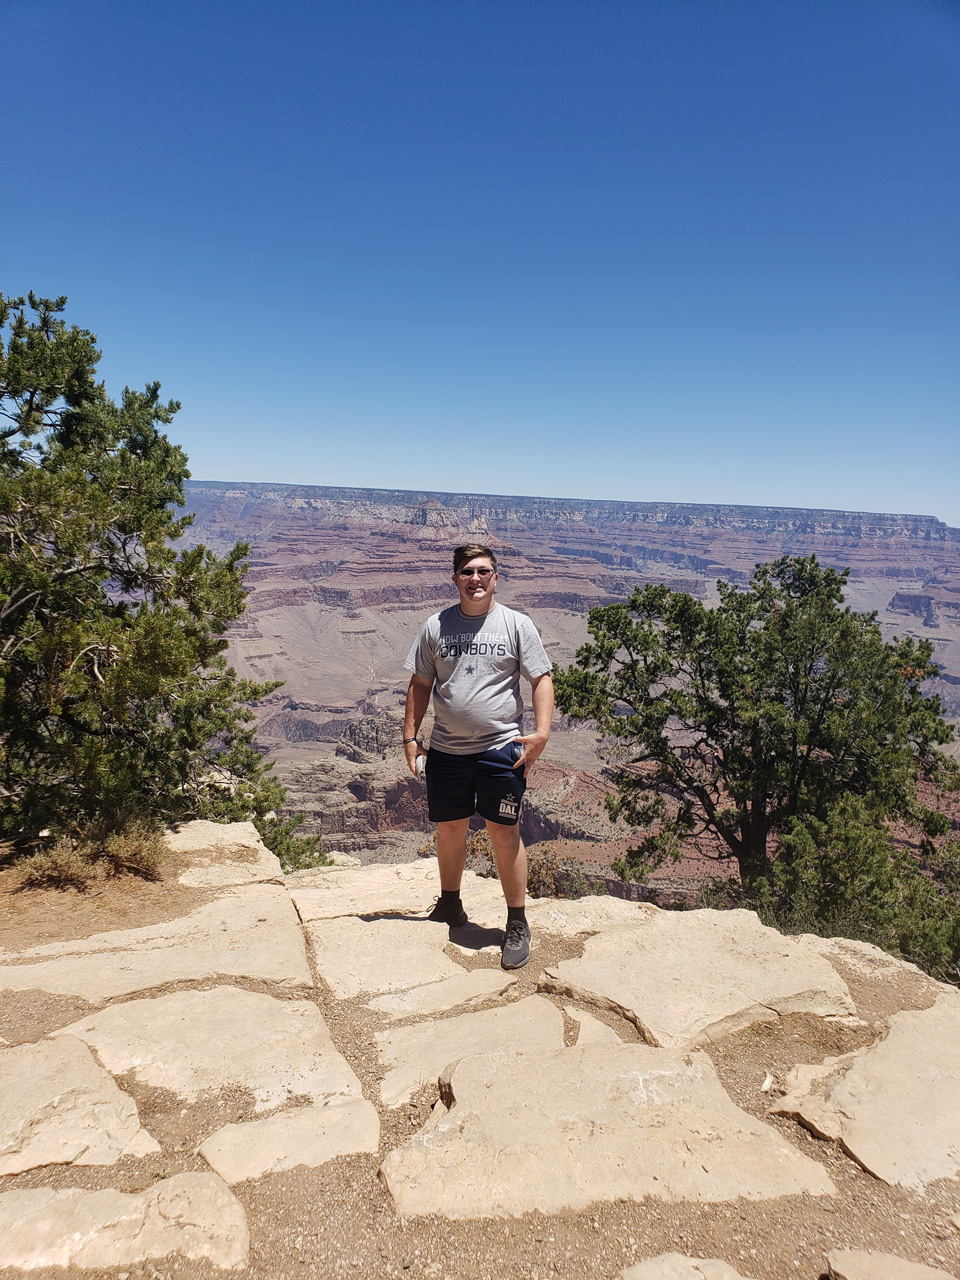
{"x": 192, "y": 1215}
{"x": 223, "y": 854}
{"x": 250, "y": 931}
{"x": 592, "y": 1030}
{"x": 608, "y": 1123}
{"x": 57, "y": 1106}
{"x": 863, "y": 956}
{"x": 565, "y": 917}
{"x": 374, "y": 956}
{"x": 688, "y": 977}
{"x": 524, "y": 1123}
{"x": 307, "y": 1136}
{"x": 675, "y": 1266}
{"x": 592, "y": 914}
{"x": 407, "y": 887}
{"x": 311, "y": 877}
{"x": 879, "y": 983}
{"x": 862, "y": 1264}
{"x": 438, "y": 997}
{"x": 420, "y": 1053}
{"x": 895, "y": 1105}
{"x": 192, "y": 1042}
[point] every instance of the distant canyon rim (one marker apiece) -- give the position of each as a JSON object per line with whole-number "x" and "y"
{"x": 340, "y": 580}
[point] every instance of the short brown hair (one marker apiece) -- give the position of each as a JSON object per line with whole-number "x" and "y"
{"x": 469, "y": 551}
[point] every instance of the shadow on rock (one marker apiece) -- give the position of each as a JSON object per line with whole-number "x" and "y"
{"x": 474, "y": 937}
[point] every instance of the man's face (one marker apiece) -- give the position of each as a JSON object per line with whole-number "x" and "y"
{"x": 476, "y": 582}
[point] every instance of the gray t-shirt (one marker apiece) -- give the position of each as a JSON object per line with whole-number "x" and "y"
{"x": 476, "y": 665}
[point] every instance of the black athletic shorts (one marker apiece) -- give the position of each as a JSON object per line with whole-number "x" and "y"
{"x": 488, "y": 784}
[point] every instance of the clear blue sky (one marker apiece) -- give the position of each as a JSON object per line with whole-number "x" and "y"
{"x": 688, "y": 250}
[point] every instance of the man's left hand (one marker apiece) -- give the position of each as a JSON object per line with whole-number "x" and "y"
{"x": 533, "y": 745}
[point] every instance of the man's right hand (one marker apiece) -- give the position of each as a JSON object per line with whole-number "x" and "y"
{"x": 411, "y": 750}
{"x": 418, "y": 700}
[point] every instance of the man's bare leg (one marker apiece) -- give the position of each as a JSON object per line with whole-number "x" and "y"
{"x": 511, "y": 861}
{"x": 452, "y": 852}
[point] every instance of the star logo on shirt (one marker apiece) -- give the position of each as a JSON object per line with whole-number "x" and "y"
{"x": 470, "y": 670}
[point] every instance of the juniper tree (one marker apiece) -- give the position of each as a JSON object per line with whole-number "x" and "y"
{"x": 778, "y": 725}
{"x": 116, "y": 700}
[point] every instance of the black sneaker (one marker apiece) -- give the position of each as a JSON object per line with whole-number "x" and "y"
{"x": 453, "y": 915}
{"x": 516, "y": 945}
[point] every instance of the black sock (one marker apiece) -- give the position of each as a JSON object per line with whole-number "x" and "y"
{"x": 450, "y": 897}
{"x": 517, "y": 913}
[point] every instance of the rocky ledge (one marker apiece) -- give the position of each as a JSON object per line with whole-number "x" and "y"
{"x": 306, "y": 1076}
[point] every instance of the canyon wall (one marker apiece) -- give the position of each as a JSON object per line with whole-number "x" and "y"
{"x": 341, "y": 579}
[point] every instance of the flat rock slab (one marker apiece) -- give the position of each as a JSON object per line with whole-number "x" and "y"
{"x": 214, "y": 840}
{"x": 558, "y": 1131}
{"x": 592, "y": 1030}
{"x": 880, "y": 984}
{"x": 465, "y": 987}
{"x": 223, "y": 854}
{"x": 310, "y": 877}
{"x": 193, "y": 1215}
{"x": 862, "y": 1264}
{"x": 381, "y": 887}
{"x": 373, "y": 956}
{"x": 417, "y": 1054}
{"x": 386, "y": 888}
{"x": 674, "y": 1266}
{"x": 57, "y": 1106}
{"x": 685, "y": 978}
{"x": 308, "y": 1136}
{"x": 567, "y": 918}
{"x": 193, "y": 1042}
{"x": 594, "y": 914}
{"x": 862, "y": 956}
{"x": 250, "y": 931}
{"x": 477, "y": 938}
{"x": 894, "y": 1106}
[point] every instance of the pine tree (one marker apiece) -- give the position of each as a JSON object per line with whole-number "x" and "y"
{"x": 116, "y": 700}
{"x": 781, "y": 726}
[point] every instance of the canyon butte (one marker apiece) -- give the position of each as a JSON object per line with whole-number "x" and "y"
{"x": 341, "y": 579}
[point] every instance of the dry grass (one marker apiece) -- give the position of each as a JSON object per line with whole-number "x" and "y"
{"x": 75, "y": 863}
{"x": 61, "y": 866}
{"x": 137, "y": 850}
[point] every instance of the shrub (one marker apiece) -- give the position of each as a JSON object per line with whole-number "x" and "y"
{"x": 845, "y": 878}
{"x": 116, "y": 700}
{"x": 548, "y": 875}
{"x": 480, "y": 856}
{"x": 743, "y": 720}
{"x": 296, "y": 853}
{"x": 136, "y": 849}
{"x": 62, "y": 866}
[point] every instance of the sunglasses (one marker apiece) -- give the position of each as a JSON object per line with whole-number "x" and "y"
{"x": 468, "y": 573}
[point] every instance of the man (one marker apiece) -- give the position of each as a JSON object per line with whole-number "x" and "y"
{"x": 471, "y": 658}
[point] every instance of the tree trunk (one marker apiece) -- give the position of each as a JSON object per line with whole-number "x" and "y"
{"x": 753, "y": 860}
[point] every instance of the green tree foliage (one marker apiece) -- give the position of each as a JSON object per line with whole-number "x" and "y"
{"x": 783, "y": 727}
{"x": 845, "y": 876}
{"x": 116, "y": 702}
